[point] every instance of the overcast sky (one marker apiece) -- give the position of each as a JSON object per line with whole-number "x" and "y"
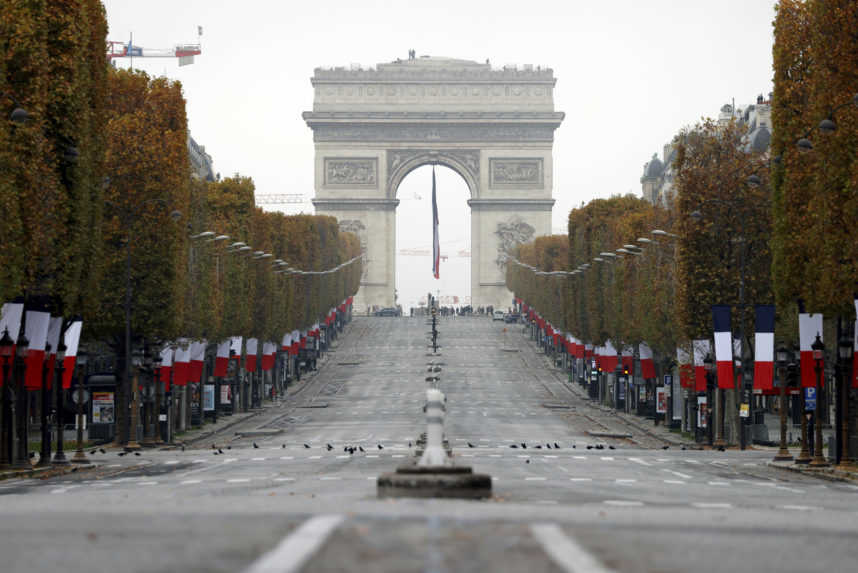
{"x": 629, "y": 75}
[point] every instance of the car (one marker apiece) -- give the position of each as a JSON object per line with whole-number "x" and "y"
{"x": 511, "y": 317}
{"x": 498, "y": 315}
{"x": 387, "y": 312}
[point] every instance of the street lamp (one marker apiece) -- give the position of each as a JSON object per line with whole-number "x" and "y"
{"x": 60, "y": 455}
{"x": 844, "y": 353}
{"x": 818, "y": 349}
{"x": 7, "y": 356}
{"x": 82, "y": 359}
{"x": 783, "y": 454}
{"x": 19, "y": 115}
{"x": 709, "y": 367}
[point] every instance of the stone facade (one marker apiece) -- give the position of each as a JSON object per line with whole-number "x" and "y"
{"x": 495, "y": 128}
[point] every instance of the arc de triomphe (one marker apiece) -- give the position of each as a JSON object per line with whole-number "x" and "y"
{"x": 495, "y": 128}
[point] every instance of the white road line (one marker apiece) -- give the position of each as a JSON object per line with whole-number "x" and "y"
{"x": 372, "y": 456}
{"x": 284, "y": 479}
{"x": 623, "y": 503}
{"x": 626, "y": 481}
{"x": 315, "y": 458}
{"x": 329, "y": 478}
{"x": 295, "y": 550}
{"x": 238, "y": 480}
{"x": 398, "y": 456}
{"x": 798, "y": 507}
{"x": 171, "y": 462}
{"x": 343, "y": 457}
{"x": 146, "y": 483}
{"x": 564, "y": 551}
{"x": 719, "y": 483}
{"x": 532, "y": 478}
{"x": 678, "y": 474}
{"x": 707, "y": 505}
{"x": 287, "y": 458}
{"x": 114, "y": 465}
{"x": 257, "y": 459}
{"x": 579, "y": 457}
{"x": 675, "y": 481}
{"x": 640, "y": 461}
{"x": 190, "y": 481}
{"x": 580, "y": 479}
{"x": 607, "y": 459}
{"x": 789, "y": 489}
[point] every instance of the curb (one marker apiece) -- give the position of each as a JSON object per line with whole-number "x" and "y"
{"x": 830, "y": 474}
{"x": 47, "y": 472}
{"x": 220, "y": 429}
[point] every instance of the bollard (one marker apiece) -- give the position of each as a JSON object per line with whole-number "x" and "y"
{"x": 434, "y": 454}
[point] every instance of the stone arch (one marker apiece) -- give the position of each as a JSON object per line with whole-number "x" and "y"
{"x": 402, "y": 162}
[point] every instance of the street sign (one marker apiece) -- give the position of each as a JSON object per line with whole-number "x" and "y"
{"x": 810, "y": 398}
{"x": 85, "y": 396}
{"x": 744, "y": 410}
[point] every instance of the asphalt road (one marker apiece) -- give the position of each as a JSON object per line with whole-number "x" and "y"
{"x": 281, "y": 506}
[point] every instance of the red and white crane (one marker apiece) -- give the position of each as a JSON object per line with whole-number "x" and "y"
{"x": 185, "y": 52}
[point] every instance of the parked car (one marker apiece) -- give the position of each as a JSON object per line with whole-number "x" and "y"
{"x": 390, "y": 311}
{"x": 512, "y": 317}
{"x": 498, "y": 315}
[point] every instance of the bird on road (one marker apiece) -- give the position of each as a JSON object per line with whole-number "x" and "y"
{"x": 589, "y": 447}
{"x": 548, "y": 446}
{"x": 136, "y": 453}
{"x": 523, "y": 446}
{"x": 306, "y": 446}
{"x": 255, "y": 447}
{"x": 120, "y": 454}
{"x": 380, "y": 447}
{"x": 611, "y": 448}
{"x": 470, "y": 445}
{"x": 665, "y": 447}
{"x": 329, "y": 446}
{"x": 409, "y": 444}
{"x": 360, "y": 448}
{"x": 538, "y": 446}
{"x": 683, "y": 448}
{"x": 557, "y": 446}
{"x": 214, "y": 453}
{"x": 220, "y": 451}
{"x": 213, "y": 447}
{"x": 102, "y": 450}
{"x": 183, "y": 448}
{"x": 527, "y": 461}
{"x": 513, "y": 446}
{"x": 283, "y": 446}
{"x": 92, "y": 453}
{"x": 229, "y": 447}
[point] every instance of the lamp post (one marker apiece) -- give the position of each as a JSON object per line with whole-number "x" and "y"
{"x": 60, "y": 455}
{"x": 709, "y": 367}
{"x": 21, "y": 457}
{"x": 82, "y": 359}
{"x": 7, "y": 356}
{"x": 45, "y": 453}
{"x": 804, "y": 454}
{"x": 136, "y": 359}
{"x": 783, "y": 454}
{"x": 818, "y": 349}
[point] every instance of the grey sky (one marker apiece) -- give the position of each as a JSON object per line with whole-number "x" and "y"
{"x": 629, "y": 74}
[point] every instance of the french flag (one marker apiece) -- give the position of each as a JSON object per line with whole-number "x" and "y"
{"x": 268, "y": 351}
{"x": 701, "y": 349}
{"x": 286, "y": 343}
{"x": 54, "y": 331}
{"x": 198, "y": 359}
{"x": 166, "y": 367}
{"x": 609, "y": 357}
{"x": 182, "y": 366}
{"x": 686, "y": 368}
{"x": 222, "y": 358}
{"x": 296, "y": 341}
{"x": 36, "y": 329}
{"x": 252, "y": 350}
{"x": 764, "y": 347}
{"x": 235, "y": 346}
{"x": 855, "y": 350}
{"x": 809, "y": 325}
{"x": 10, "y": 321}
{"x": 647, "y": 363}
{"x": 628, "y": 358}
{"x": 723, "y": 345}
{"x": 71, "y": 339}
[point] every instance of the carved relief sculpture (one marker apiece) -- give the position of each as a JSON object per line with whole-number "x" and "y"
{"x": 511, "y": 233}
{"x": 360, "y": 172}
{"x": 515, "y": 173}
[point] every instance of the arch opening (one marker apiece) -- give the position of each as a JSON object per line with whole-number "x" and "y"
{"x": 414, "y": 237}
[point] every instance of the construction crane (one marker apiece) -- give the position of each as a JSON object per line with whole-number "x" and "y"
{"x": 185, "y": 52}
{"x": 279, "y": 199}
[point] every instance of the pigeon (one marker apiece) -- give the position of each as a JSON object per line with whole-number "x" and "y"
{"x": 538, "y": 446}
{"x": 665, "y": 447}
{"x": 573, "y": 446}
{"x": 470, "y": 445}
{"x": 513, "y": 446}
{"x": 92, "y": 453}
{"x": 721, "y": 448}
{"x": 283, "y": 446}
{"x": 345, "y": 448}
{"x": 523, "y": 446}
{"x": 255, "y": 447}
{"x": 611, "y": 448}
{"x": 600, "y": 447}
{"x": 409, "y": 444}
{"x": 229, "y": 447}
{"x": 527, "y": 461}
{"x": 548, "y": 446}
{"x": 214, "y": 453}
{"x": 683, "y": 448}
{"x": 557, "y": 446}
{"x": 120, "y": 454}
{"x": 183, "y": 448}
{"x": 136, "y": 453}
{"x": 380, "y": 447}
{"x": 589, "y": 447}
{"x": 329, "y": 446}
{"x": 351, "y": 451}
{"x": 360, "y": 448}
{"x": 306, "y": 446}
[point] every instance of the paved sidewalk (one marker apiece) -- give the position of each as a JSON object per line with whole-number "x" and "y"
{"x": 44, "y": 472}
{"x": 845, "y": 473}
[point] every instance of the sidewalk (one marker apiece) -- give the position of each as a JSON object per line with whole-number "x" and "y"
{"x": 833, "y": 473}
{"x": 45, "y": 472}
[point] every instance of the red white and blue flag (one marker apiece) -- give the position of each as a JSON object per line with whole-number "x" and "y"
{"x": 36, "y": 329}
{"x": 198, "y": 357}
{"x": 809, "y": 325}
{"x": 764, "y": 347}
{"x": 222, "y": 358}
{"x": 166, "y": 367}
{"x": 10, "y": 321}
{"x": 436, "y": 245}
{"x": 647, "y": 363}
{"x": 701, "y": 349}
{"x": 723, "y": 345}
{"x": 252, "y": 351}
{"x": 71, "y": 339}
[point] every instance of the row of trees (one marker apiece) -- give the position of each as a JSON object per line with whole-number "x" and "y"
{"x": 98, "y": 202}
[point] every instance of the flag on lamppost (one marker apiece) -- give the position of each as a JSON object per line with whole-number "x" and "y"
{"x": 54, "y": 331}
{"x": 701, "y": 349}
{"x": 436, "y": 245}
{"x": 166, "y": 367}
{"x": 809, "y": 325}
{"x": 71, "y": 339}
{"x": 252, "y": 350}
{"x": 10, "y": 321}
{"x": 764, "y": 347}
{"x": 686, "y": 368}
{"x": 182, "y": 364}
{"x": 647, "y": 363}
{"x": 198, "y": 357}
{"x": 723, "y": 345}
{"x": 855, "y": 350}
{"x": 36, "y": 330}
{"x": 222, "y": 358}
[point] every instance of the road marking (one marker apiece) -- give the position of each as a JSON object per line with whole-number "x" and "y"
{"x": 550, "y": 457}
{"x": 707, "y": 505}
{"x": 789, "y": 489}
{"x": 284, "y": 479}
{"x": 532, "y": 478}
{"x": 287, "y": 458}
{"x": 564, "y": 551}
{"x": 678, "y": 474}
{"x": 238, "y": 480}
{"x": 580, "y": 479}
{"x": 719, "y": 483}
{"x": 295, "y": 550}
{"x": 115, "y": 466}
{"x": 147, "y": 483}
{"x": 675, "y": 481}
{"x": 372, "y": 456}
{"x": 798, "y": 507}
{"x": 494, "y": 455}
{"x": 467, "y": 455}
{"x": 171, "y": 462}
{"x": 626, "y": 481}
{"x": 547, "y": 502}
{"x": 328, "y": 478}
{"x": 314, "y": 458}
{"x": 607, "y": 459}
{"x": 579, "y": 457}
{"x": 398, "y": 456}
{"x": 230, "y": 460}
{"x": 640, "y": 461}
{"x": 623, "y": 503}
{"x": 692, "y": 461}
{"x": 59, "y": 490}
{"x": 343, "y": 457}
{"x": 258, "y": 459}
